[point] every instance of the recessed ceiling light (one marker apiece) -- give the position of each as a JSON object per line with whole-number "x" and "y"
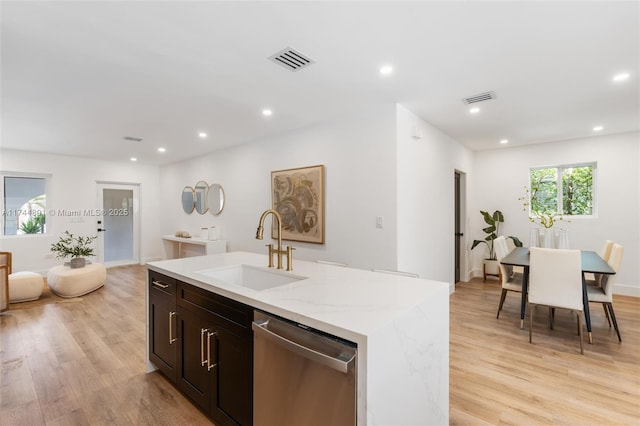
{"x": 474, "y": 110}
{"x": 504, "y": 141}
{"x": 161, "y": 149}
{"x": 202, "y": 135}
{"x": 133, "y": 159}
{"x": 386, "y": 70}
{"x": 267, "y": 112}
{"x": 623, "y": 76}
{"x": 597, "y": 128}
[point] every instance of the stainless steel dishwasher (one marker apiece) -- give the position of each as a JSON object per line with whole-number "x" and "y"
{"x": 301, "y": 377}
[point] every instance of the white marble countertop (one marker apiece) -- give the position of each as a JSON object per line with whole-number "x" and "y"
{"x": 400, "y": 324}
{"x": 347, "y": 302}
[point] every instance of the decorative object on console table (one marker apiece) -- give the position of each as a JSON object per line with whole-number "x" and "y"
{"x": 490, "y": 265}
{"x": 76, "y": 247}
{"x": 298, "y": 196}
{"x": 212, "y": 233}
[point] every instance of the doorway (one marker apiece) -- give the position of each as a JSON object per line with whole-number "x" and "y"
{"x": 459, "y": 213}
{"x": 118, "y": 223}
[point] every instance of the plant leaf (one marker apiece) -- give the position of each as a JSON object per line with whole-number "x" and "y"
{"x": 476, "y": 242}
{"x": 487, "y": 217}
{"x": 489, "y": 229}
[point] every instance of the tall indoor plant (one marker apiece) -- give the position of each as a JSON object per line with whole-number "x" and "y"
{"x": 75, "y": 247}
{"x": 493, "y": 230}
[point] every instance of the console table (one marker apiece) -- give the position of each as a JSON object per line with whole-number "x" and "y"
{"x": 179, "y": 247}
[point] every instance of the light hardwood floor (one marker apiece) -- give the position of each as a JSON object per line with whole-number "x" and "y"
{"x": 81, "y": 361}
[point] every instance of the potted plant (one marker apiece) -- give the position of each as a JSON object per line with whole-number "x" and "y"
{"x": 76, "y": 247}
{"x": 490, "y": 264}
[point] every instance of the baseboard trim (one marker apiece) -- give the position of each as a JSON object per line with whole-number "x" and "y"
{"x": 627, "y": 290}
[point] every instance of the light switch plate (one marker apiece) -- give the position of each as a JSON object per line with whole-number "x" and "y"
{"x": 379, "y": 222}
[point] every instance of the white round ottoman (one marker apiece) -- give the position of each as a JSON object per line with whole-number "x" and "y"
{"x": 66, "y": 282}
{"x": 25, "y": 286}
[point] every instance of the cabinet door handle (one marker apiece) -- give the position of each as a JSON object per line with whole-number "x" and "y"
{"x": 203, "y": 361}
{"x": 159, "y": 284}
{"x": 209, "y": 366}
{"x": 171, "y": 338}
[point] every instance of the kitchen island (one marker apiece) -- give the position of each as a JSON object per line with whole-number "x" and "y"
{"x": 399, "y": 324}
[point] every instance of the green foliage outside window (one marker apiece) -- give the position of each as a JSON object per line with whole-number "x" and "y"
{"x": 544, "y": 191}
{"x": 34, "y": 225}
{"x": 557, "y": 191}
{"x": 577, "y": 191}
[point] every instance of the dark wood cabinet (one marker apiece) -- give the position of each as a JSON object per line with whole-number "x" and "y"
{"x": 215, "y": 362}
{"x": 212, "y": 358}
{"x": 162, "y": 323}
{"x": 232, "y": 389}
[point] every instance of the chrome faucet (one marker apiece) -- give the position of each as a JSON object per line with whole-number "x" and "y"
{"x": 278, "y": 250}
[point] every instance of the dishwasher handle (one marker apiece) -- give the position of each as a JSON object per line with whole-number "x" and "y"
{"x": 343, "y": 366}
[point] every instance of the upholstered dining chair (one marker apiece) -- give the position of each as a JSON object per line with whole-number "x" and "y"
{"x": 509, "y": 280}
{"x": 604, "y": 253}
{"x": 555, "y": 280}
{"x": 604, "y": 293}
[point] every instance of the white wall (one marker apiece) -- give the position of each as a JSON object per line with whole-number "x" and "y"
{"x": 73, "y": 187}
{"x": 425, "y": 190}
{"x": 500, "y": 176}
{"x": 359, "y": 155}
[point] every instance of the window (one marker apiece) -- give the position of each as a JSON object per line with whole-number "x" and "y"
{"x": 25, "y": 204}
{"x": 565, "y": 190}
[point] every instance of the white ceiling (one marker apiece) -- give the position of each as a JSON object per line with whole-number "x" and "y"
{"x": 79, "y": 76}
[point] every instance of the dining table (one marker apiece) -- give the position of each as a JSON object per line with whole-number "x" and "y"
{"x": 591, "y": 263}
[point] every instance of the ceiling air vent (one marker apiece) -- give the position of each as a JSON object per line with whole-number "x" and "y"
{"x": 486, "y": 96}
{"x": 132, "y": 139}
{"x": 291, "y": 59}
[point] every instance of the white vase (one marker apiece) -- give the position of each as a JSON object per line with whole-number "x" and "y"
{"x": 549, "y": 238}
{"x": 534, "y": 237}
{"x": 563, "y": 239}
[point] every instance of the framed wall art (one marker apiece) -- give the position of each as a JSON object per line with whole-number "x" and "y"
{"x": 298, "y": 196}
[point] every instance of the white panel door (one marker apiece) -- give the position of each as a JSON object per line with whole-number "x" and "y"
{"x": 117, "y": 223}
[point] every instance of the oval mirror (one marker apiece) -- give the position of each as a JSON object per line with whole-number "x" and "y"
{"x": 201, "y": 190}
{"x": 188, "y": 199}
{"x": 215, "y": 199}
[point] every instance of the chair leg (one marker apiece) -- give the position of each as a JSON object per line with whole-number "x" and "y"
{"x": 579, "y": 315}
{"x": 578, "y": 330}
{"x": 550, "y": 318}
{"x": 613, "y": 318}
{"x": 606, "y": 313}
{"x": 502, "y": 297}
{"x": 531, "y": 309}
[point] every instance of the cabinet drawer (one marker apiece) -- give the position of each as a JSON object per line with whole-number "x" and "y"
{"x": 239, "y": 314}
{"x": 162, "y": 282}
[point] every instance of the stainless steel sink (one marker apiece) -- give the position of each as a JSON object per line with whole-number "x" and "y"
{"x": 252, "y": 277}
